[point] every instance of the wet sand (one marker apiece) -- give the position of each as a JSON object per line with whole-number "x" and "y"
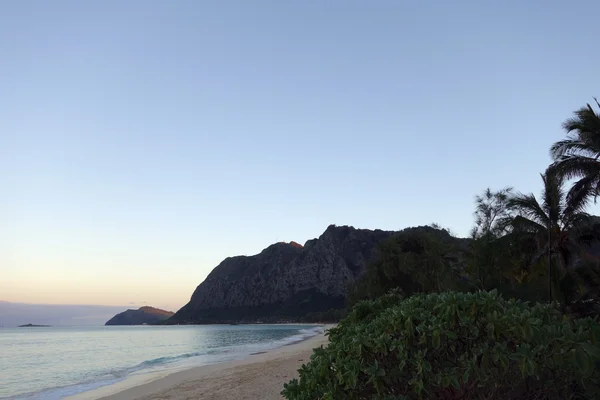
{"x": 260, "y": 376}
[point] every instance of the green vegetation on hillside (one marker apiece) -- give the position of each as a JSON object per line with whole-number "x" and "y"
{"x": 422, "y": 259}
{"x": 531, "y": 248}
{"x": 430, "y": 319}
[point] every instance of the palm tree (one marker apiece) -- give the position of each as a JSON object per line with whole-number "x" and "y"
{"x": 555, "y": 223}
{"x": 578, "y": 156}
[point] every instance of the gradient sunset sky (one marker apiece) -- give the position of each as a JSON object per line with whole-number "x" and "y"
{"x": 142, "y": 142}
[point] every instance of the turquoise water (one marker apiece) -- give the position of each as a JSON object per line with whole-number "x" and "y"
{"x": 52, "y": 363}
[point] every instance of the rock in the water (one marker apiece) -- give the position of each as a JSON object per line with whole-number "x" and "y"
{"x": 141, "y": 316}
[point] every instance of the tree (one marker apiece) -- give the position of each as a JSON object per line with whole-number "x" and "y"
{"x": 415, "y": 260}
{"x": 577, "y": 157}
{"x": 555, "y": 224}
{"x": 491, "y": 213}
{"x": 491, "y": 223}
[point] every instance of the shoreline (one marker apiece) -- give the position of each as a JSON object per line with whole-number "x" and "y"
{"x": 258, "y": 375}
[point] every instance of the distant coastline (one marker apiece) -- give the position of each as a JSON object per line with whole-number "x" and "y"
{"x": 34, "y": 326}
{"x": 143, "y": 316}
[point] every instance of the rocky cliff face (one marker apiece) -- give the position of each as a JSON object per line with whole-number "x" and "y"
{"x": 143, "y": 315}
{"x": 286, "y": 280}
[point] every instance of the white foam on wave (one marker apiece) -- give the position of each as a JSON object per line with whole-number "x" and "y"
{"x": 62, "y": 392}
{"x": 303, "y": 334}
{"x": 172, "y": 363}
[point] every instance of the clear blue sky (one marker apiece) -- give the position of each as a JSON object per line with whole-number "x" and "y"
{"x": 141, "y": 142}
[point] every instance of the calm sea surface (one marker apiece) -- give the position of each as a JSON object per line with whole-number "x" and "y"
{"x": 52, "y": 363}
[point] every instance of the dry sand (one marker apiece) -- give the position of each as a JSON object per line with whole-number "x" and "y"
{"x": 259, "y": 376}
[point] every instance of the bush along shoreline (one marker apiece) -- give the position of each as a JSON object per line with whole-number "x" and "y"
{"x": 429, "y": 320}
{"x": 454, "y": 346}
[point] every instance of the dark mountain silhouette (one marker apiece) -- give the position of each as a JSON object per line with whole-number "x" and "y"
{"x": 285, "y": 281}
{"x": 141, "y": 316}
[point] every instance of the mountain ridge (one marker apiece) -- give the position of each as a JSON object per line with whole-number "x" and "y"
{"x": 285, "y": 280}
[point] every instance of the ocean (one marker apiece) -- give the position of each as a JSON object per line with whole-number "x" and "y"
{"x": 56, "y": 362}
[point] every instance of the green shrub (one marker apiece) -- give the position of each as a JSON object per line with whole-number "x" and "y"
{"x": 453, "y": 346}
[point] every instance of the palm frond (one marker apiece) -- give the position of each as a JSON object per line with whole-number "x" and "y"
{"x": 585, "y": 121}
{"x": 575, "y": 166}
{"x": 528, "y": 207}
{"x": 553, "y": 196}
{"x": 522, "y": 225}
{"x": 579, "y": 197}
{"x": 573, "y": 147}
{"x": 578, "y": 156}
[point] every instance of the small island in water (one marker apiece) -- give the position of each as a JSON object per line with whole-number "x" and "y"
{"x": 34, "y": 326}
{"x": 142, "y": 316}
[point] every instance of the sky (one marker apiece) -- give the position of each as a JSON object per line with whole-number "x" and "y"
{"x": 15, "y": 314}
{"x": 142, "y": 142}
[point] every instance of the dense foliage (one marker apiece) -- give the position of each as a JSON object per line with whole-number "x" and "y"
{"x": 451, "y": 346}
{"x": 471, "y": 343}
{"x": 422, "y": 259}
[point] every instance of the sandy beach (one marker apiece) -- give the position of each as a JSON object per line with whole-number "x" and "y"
{"x": 260, "y": 376}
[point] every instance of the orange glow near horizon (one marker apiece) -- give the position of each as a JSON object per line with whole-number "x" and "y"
{"x": 28, "y": 280}
{"x": 41, "y": 290}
